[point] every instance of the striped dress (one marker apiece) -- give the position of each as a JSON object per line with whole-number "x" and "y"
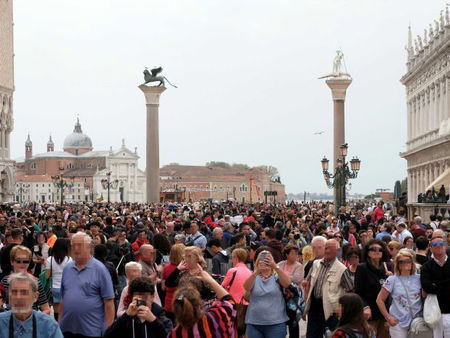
{"x": 218, "y": 322}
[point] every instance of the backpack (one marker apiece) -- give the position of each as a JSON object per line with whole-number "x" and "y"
{"x": 295, "y": 303}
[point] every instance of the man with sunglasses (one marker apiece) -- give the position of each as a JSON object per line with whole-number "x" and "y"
{"x": 435, "y": 279}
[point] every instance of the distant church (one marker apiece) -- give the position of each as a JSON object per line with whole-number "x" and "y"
{"x": 82, "y": 169}
{"x": 6, "y": 100}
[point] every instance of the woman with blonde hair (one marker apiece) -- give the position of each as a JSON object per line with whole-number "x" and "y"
{"x": 265, "y": 286}
{"x": 175, "y": 257}
{"x": 308, "y": 254}
{"x": 405, "y": 290}
{"x": 187, "y": 270}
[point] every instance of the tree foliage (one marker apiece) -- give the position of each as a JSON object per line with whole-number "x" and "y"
{"x": 270, "y": 170}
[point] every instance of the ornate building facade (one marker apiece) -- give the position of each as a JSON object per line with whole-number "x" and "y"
{"x": 427, "y": 83}
{"x": 6, "y": 99}
{"x": 83, "y": 170}
{"x": 197, "y": 183}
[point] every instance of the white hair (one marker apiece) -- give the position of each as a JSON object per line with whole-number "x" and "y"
{"x": 22, "y": 277}
{"x": 133, "y": 265}
{"x": 321, "y": 239}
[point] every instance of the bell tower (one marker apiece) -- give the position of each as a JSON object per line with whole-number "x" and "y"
{"x": 6, "y": 100}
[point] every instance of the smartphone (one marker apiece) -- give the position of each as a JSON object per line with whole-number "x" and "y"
{"x": 263, "y": 256}
{"x": 140, "y": 302}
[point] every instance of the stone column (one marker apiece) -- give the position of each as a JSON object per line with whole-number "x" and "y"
{"x": 447, "y": 98}
{"x": 338, "y": 88}
{"x": 408, "y": 120}
{"x": 442, "y": 102}
{"x": 152, "y": 95}
{"x": 431, "y": 109}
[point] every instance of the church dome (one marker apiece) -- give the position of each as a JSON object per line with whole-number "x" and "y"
{"x": 77, "y": 140}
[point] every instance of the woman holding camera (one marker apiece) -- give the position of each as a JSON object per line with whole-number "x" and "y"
{"x": 265, "y": 286}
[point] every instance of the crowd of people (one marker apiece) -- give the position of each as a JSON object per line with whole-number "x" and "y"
{"x": 225, "y": 269}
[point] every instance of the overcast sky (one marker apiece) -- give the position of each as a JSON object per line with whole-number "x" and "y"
{"x": 247, "y": 75}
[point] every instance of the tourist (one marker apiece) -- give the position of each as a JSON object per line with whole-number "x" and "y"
{"x": 20, "y": 258}
{"x": 218, "y": 256}
{"x": 16, "y": 238}
{"x": 22, "y": 318}
{"x": 237, "y": 275}
{"x": 294, "y": 270}
{"x": 352, "y": 320}
{"x": 40, "y": 253}
{"x": 422, "y": 250}
{"x": 86, "y": 285}
{"x": 195, "y": 238}
{"x": 143, "y": 317}
{"x": 132, "y": 270}
{"x": 401, "y": 233}
{"x": 405, "y": 291}
{"x": 326, "y": 282}
{"x": 369, "y": 278}
{"x": 194, "y": 320}
{"x": 175, "y": 258}
{"x": 435, "y": 277}
{"x": 54, "y": 268}
{"x": 266, "y": 293}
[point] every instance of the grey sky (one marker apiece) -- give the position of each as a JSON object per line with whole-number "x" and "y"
{"x": 247, "y": 75}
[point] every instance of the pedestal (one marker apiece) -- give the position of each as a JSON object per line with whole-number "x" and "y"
{"x": 338, "y": 88}
{"x": 152, "y": 95}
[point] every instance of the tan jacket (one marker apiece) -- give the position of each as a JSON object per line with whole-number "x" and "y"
{"x": 331, "y": 287}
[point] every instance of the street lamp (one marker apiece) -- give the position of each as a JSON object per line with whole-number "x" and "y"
{"x": 341, "y": 176}
{"x": 60, "y": 183}
{"x": 108, "y": 184}
{"x": 23, "y": 188}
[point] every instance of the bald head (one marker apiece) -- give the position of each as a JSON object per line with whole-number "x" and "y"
{"x": 147, "y": 253}
{"x": 331, "y": 250}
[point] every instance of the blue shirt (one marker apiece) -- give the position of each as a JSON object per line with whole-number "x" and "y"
{"x": 46, "y": 326}
{"x": 200, "y": 240}
{"x": 267, "y": 305}
{"x": 382, "y": 234}
{"x": 83, "y": 293}
{"x": 399, "y": 308}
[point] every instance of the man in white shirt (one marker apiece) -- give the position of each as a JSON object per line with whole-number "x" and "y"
{"x": 401, "y": 233}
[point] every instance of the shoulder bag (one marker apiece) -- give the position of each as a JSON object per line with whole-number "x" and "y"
{"x": 417, "y": 324}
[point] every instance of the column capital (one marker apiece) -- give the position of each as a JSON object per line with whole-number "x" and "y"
{"x": 152, "y": 93}
{"x": 338, "y": 87}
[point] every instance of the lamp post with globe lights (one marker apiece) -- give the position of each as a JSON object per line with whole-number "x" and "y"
{"x": 61, "y": 184}
{"x": 342, "y": 173}
{"x": 108, "y": 184}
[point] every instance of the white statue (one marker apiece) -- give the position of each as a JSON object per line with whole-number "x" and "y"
{"x": 417, "y": 47}
{"x": 419, "y": 40}
{"x": 337, "y": 63}
{"x": 425, "y": 40}
{"x": 436, "y": 27}
{"x": 430, "y": 32}
{"x": 441, "y": 20}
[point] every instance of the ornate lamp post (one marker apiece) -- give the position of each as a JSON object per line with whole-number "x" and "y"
{"x": 61, "y": 184}
{"x": 342, "y": 174}
{"x": 108, "y": 184}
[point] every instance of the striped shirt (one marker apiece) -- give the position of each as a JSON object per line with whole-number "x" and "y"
{"x": 217, "y": 322}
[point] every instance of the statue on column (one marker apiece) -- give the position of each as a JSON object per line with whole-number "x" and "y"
{"x": 152, "y": 76}
{"x": 430, "y": 32}
{"x": 419, "y": 40}
{"x": 447, "y": 16}
{"x": 425, "y": 40}
{"x": 436, "y": 27}
{"x": 337, "y": 63}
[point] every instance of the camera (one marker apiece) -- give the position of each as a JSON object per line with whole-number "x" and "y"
{"x": 140, "y": 302}
{"x": 296, "y": 236}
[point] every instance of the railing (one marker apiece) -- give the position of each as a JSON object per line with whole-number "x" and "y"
{"x": 425, "y": 210}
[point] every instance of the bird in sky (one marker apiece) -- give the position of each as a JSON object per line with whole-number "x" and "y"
{"x": 318, "y": 132}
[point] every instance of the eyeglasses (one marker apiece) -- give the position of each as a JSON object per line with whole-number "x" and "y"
{"x": 338, "y": 237}
{"x": 376, "y": 249}
{"x": 22, "y": 261}
{"x": 406, "y": 261}
{"x": 440, "y": 243}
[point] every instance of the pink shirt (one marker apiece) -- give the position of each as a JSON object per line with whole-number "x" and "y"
{"x": 237, "y": 288}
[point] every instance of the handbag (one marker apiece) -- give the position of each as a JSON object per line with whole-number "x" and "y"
{"x": 417, "y": 324}
{"x": 47, "y": 283}
{"x": 241, "y": 310}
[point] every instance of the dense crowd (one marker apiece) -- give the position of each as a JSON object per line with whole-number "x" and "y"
{"x": 222, "y": 270}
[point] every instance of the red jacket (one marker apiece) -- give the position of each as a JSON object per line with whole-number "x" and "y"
{"x": 376, "y": 215}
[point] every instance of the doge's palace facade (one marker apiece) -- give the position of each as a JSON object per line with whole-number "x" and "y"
{"x": 6, "y": 99}
{"x": 427, "y": 83}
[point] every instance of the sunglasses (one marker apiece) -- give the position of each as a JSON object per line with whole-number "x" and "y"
{"x": 22, "y": 261}
{"x": 406, "y": 261}
{"x": 440, "y": 243}
{"x": 376, "y": 249}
